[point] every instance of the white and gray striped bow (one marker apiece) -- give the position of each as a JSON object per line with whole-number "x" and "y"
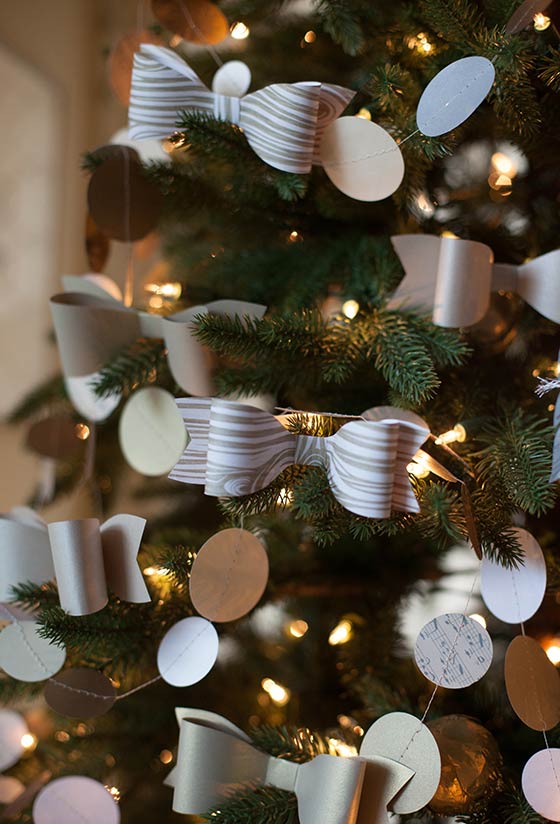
{"x": 236, "y": 450}
{"x": 283, "y": 123}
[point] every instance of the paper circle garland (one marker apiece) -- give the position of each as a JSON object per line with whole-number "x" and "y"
{"x": 55, "y": 437}
{"x": 25, "y": 655}
{"x": 524, "y": 14}
{"x": 514, "y": 595}
{"x": 453, "y": 651}
{"x": 404, "y": 738}
{"x": 229, "y": 575}
{"x": 232, "y": 78}
{"x": 470, "y": 759}
{"x": 454, "y": 94}
{"x": 198, "y": 21}
{"x": 361, "y": 159}
{"x": 75, "y": 799}
{"x": 152, "y": 434}
{"x": 80, "y": 693}
{"x": 188, "y": 652}
{"x": 541, "y": 785}
{"x": 532, "y": 684}
{"x": 12, "y": 730}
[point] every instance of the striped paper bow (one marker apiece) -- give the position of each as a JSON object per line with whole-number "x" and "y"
{"x": 454, "y": 278}
{"x": 283, "y": 123}
{"x": 215, "y": 757}
{"x": 236, "y": 450}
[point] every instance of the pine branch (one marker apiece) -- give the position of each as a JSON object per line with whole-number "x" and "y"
{"x": 177, "y": 562}
{"x": 143, "y": 362}
{"x": 342, "y": 24}
{"x": 458, "y": 21}
{"x": 259, "y": 805}
{"x": 292, "y": 743}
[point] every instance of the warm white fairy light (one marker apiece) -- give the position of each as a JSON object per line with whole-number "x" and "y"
{"x": 82, "y": 431}
{"x": 166, "y": 756}
{"x": 279, "y": 694}
{"x": 364, "y": 113}
{"x": 285, "y": 497}
{"x": 456, "y": 435}
{"x": 239, "y": 31}
{"x": 341, "y": 748}
{"x": 28, "y": 741}
{"x": 418, "y": 468}
{"x": 341, "y": 634}
{"x": 552, "y": 650}
{"x": 171, "y": 289}
{"x": 310, "y": 37}
{"x": 541, "y": 21}
{"x": 420, "y": 43}
{"x": 350, "y": 308}
{"x": 480, "y": 619}
{"x": 114, "y": 792}
{"x": 504, "y": 164}
{"x": 297, "y": 629}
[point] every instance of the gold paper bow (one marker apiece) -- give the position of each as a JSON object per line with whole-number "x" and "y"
{"x": 84, "y": 556}
{"x": 454, "y": 278}
{"x": 215, "y": 757}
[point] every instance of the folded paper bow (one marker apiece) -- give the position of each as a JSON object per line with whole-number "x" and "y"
{"x": 283, "y": 123}
{"x": 236, "y": 450}
{"x": 84, "y": 557}
{"x": 92, "y": 326}
{"x": 454, "y": 278}
{"x": 215, "y": 757}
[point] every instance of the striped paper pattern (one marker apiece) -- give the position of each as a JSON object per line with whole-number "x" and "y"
{"x": 283, "y": 123}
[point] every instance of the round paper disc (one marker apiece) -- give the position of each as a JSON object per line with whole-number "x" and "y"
{"x": 122, "y": 58}
{"x": 523, "y": 15}
{"x": 361, "y": 159}
{"x": 55, "y": 437}
{"x": 10, "y": 788}
{"x": 188, "y": 652}
{"x": 514, "y": 595}
{"x": 199, "y": 21}
{"x": 532, "y": 683}
{"x": 232, "y": 78}
{"x": 453, "y": 651}
{"x": 454, "y": 94}
{"x": 85, "y": 401}
{"x": 26, "y": 656}
{"x": 152, "y": 434}
{"x": 405, "y": 739}
{"x": 122, "y": 201}
{"x": 229, "y": 575}
{"x": 80, "y": 693}
{"x": 12, "y": 730}
{"x": 540, "y": 783}
{"x": 75, "y": 799}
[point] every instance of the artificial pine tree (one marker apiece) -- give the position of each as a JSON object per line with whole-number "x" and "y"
{"x": 328, "y": 633}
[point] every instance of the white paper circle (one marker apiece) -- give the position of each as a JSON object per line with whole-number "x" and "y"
{"x": 454, "y": 94}
{"x": 152, "y": 434}
{"x": 85, "y": 401}
{"x": 26, "y": 656}
{"x": 361, "y": 159}
{"x": 514, "y": 595}
{"x": 453, "y": 651}
{"x": 188, "y": 652}
{"x": 232, "y": 79}
{"x": 10, "y": 787}
{"x": 75, "y": 799}
{"x": 12, "y": 729}
{"x": 404, "y": 738}
{"x": 541, "y": 785}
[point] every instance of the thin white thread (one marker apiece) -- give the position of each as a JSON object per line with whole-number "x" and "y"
{"x": 552, "y": 764}
{"x": 209, "y": 48}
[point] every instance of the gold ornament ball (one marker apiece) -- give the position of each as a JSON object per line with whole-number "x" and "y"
{"x": 470, "y": 760}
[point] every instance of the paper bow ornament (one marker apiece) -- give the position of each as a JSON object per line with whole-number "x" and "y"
{"x": 236, "y": 450}
{"x": 548, "y": 385}
{"x": 454, "y": 278}
{"x": 215, "y": 757}
{"x": 85, "y": 558}
{"x": 283, "y": 123}
{"x": 92, "y": 325}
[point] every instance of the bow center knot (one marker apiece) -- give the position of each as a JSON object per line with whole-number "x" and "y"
{"x": 310, "y": 450}
{"x": 227, "y": 108}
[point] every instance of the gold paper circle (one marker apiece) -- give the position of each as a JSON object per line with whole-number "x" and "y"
{"x": 122, "y": 58}
{"x": 198, "y": 21}
{"x": 80, "y": 693}
{"x": 469, "y": 761}
{"x": 55, "y": 437}
{"x": 122, "y": 201}
{"x": 229, "y": 575}
{"x": 532, "y": 684}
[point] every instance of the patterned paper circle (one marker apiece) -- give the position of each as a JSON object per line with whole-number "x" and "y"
{"x": 514, "y": 595}
{"x": 75, "y": 799}
{"x": 229, "y": 575}
{"x": 12, "y": 730}
{"x": 405, "y": 739}
{"x": 198, "y": 21}
{"x": 80, "y": 693}
{"x": 532, "y": 683}
{"x": 453, "y": 651}
{"x": 188, "y": 652}
{"x": 361, "y": 159}
{"x": 152, "y": 434}
{"x": 541, "y": 784}
{"x": 26, "y": 656}
{"x": 232, "y": 78}
{"x": 454, "y": 94}
{"x": 121, "y": 60}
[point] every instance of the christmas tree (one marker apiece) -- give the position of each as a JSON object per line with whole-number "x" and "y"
{"x": 381, "y": 217}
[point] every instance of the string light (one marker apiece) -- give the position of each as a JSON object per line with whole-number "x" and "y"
{"x": 82, "y": 431}
{"x": 155, "y": 302}
{"x": 364, "y": 113}
{"x": 171, "y": 289}
{"x": 166, "y": 756}
{"x": 62, "y": 736}
{"x": 285, "y": 497}
{"x": 341, "y": 634}
{"x": 28, "y": 741}
{"x": 420, "y": 43}
{"x": 239, "y": 31}
{"x": 154, "y": 572}
{"x": 310, "y": 37}
{"x": 541, "y": 21}
{"x": 504, "y": 164}
{"x": 480, "y": 619}
{"x": 341, "y": 748}
{"x": 295, "y": 237}
{"x": 350, "y": 308}
{"x": 552, "y": 650}
{"x": 418, "y": 468}
{"x": 297, "y": 629}
{"x": 456, "y": 435}
{"x": 114, "y": 792}
{"x": 279, "y": 694}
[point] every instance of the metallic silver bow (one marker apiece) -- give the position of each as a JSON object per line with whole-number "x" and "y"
{"x": 454, "y": 278}
{"x": 236, "y": 450}
{"x": 216, "y": 757}
{"x": 283, "y": 123}
{"x": 84, "y": 556}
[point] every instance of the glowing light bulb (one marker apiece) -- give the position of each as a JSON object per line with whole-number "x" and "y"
{"x": 341, "y": 634}
{"x": 28, "y": 741}
{"x": 457, "y": 434}
{"x": 448, "y": 233}
{"x": 541, "y": 21}
{"x": 553, "y": 651}
{"x": 350, "y": 308}
{"x": 294, "y": 237}
{"x": 239, "y": 31}
{"x": 114, "y": 792}
{"x": 418, "y": 468}
{"x": 420, "y": 43}
{"x": 341, "y": 748}
{"x": 504, "y": 164}
{"x": 279, "y": 694}
{"x": 285, "y": 497}
{"x": 310, "y": 37}
{"x": 297, "y": 629}
{"x": 365, "y": 114}
{"x": 480, "y": 619}
{"x": 82, "y": 431}
{"x": 166, "y": 756}
{"x": 155, "y": 302}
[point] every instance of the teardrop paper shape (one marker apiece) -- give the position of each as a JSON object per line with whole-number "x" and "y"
{"x": 532, "y": 684}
